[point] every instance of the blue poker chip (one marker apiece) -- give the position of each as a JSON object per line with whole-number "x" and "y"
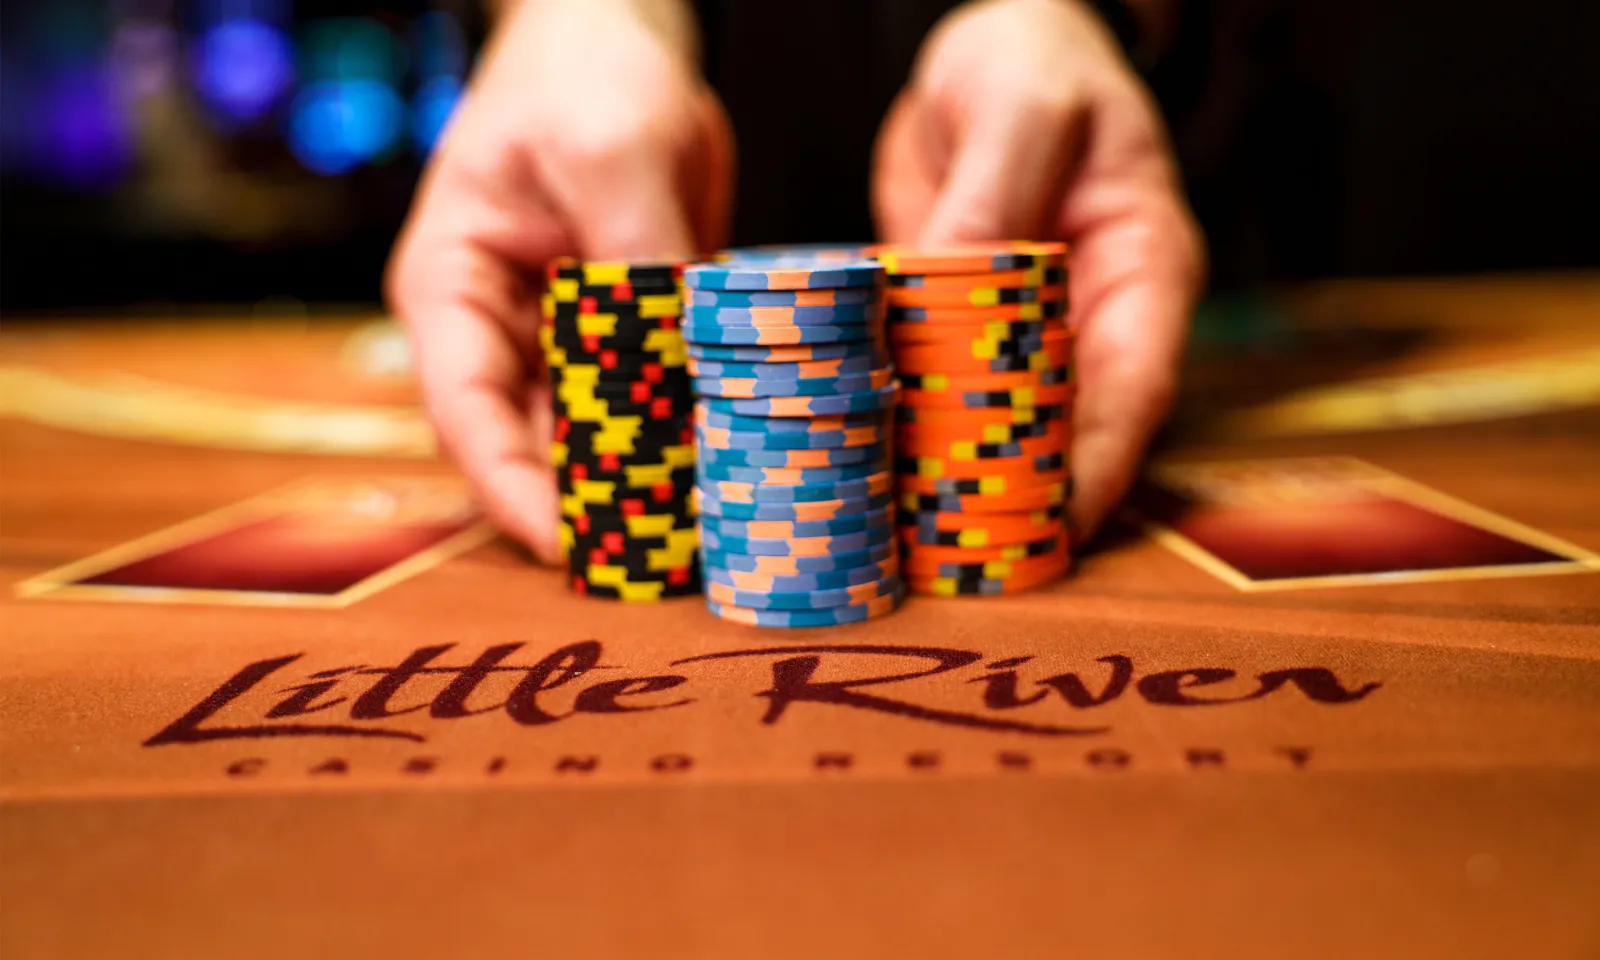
{"x": 812, "y": 387}
{"x": 791, "y": 354}
{"x": 793, "y": 459}
{"x": 836, "y": 297}
{"x": 797, "y": 546}
{"x": 713, "y": 507}
{"x": 843, "y": 367}
{"x": 805, "y": 599}
{"x": 775, "y": 336}
{"x": 779, "y": 407}
{"x": 743, "y": 492}
{"x": 796, "y": 566}
{"x": 780, "y": 272}
{"x": 795, "y": 582}
{"x": 845, "y": 315}
{"x": 798, "y": 529}
{"x": 767, "y": 425}
{"x": 834, "y": 617}
{"x": 798, "y": 440}
{"x": 779, "y": 476}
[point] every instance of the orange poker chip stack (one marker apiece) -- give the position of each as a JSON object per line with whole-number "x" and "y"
{"x": 984, "y": 352}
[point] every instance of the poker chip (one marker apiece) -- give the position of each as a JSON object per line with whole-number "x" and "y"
{"x": 908, "y": 261}
{"x": 795, "y": 396}
{"x": 793, "y": 566}
{"x": 786, "y": 476}
{"x": 859, "y": 401}
{"x": 980, "y": 337}
{"x": 807, "y": 434}
{"x": 976, "y": 296}
{"x": 832, "y": 617}
{"x": 849, "y": 314}
{"x": 792, "y": 335}
{"x": 1049, "y": 276}
{"x": 709, "y": 505}
{"x": 834, "y": 297}
{"x": 801, "y": 529}
{"x": 793, "y": 353}
{"x": 623, "y": 436}
{"x": 791, "y": 459}
{"x": 810, "y": 598}
{"x": 730, "y": 387}
{"x": 871, "y": 573}
{"x": 784, "y": 272}
{"x": 803, "y": 370}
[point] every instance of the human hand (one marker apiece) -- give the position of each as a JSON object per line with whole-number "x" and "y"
{"x": 586, "y": 132}
{"x": 1023, "y": 121}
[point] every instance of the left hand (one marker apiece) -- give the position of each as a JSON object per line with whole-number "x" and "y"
{"x": 1022, "y": 120}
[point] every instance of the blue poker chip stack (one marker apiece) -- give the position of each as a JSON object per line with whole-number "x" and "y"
{"x": 794, "y": 468}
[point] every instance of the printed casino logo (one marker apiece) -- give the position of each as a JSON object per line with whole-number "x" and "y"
{"x": 391, "y": 703}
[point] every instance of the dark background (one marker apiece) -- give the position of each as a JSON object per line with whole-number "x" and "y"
{"x": 169, "y": 152}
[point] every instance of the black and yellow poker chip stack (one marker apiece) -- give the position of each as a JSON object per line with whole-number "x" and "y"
{"x": 624, "y": 433}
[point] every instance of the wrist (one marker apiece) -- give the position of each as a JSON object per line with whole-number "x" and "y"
{"x": 672, "y": 22}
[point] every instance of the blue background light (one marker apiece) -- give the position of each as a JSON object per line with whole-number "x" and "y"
{"x": 431, "y": 109}
{"x": 243, "y": 67}
{"x": 336, "y": 126}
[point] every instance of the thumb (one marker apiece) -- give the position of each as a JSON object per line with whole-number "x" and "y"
{"x": 905, "y": 169}
{"x": 1004, "y": 178}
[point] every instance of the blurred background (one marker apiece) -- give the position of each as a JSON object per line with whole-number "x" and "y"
{"x": 161, "y": 153}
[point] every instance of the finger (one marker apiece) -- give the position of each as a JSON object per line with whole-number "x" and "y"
{"x": 711, "y": 175}
{"x": 1007, "y": 171}
{"x": 1135, "y": 280}
{"x": 484, "y": 427}
{"x": 907, "y": 167}
{"x": 466, "y": 309}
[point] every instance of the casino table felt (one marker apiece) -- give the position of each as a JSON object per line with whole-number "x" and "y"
{"x": 1140, "y": 760}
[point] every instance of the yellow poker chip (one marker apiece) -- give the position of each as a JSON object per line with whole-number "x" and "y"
{"x": 675, "y": 457}
{"x": 641, "y": 525}
{"x": 650, "y": 306}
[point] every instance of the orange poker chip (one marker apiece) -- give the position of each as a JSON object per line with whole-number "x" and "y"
{"x": 974, "y": 297}
{"x": 993, "y": 530}
{"x": 1020, "y": 469}
{"x": 993, "y": 335}
{"x": 922, "y": 560}
{"x": 1006, "y": 312}
{"x": 979, "y": 399}
{"x": 908, "y": 444}
{"x": 1007, "y": 380}
{"x": 968, "y": 257}
{"x": 989, "y": 587}
{"x": 915, "y": 564}
{"x": 972, "y": 358}
{"x": 933, "y": 418}
{"x": 1013, "y": 501}
{"x": 986, "y": 485}
{"x": 1045, "y": 276}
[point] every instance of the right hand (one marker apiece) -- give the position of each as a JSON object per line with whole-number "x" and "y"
{"x": 586, "y": 132}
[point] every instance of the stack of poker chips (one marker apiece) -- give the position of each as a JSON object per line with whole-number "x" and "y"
{"x": 794, "y": 423}
{"x": 981, "y": 341}
{"x": 623, "y": 445}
